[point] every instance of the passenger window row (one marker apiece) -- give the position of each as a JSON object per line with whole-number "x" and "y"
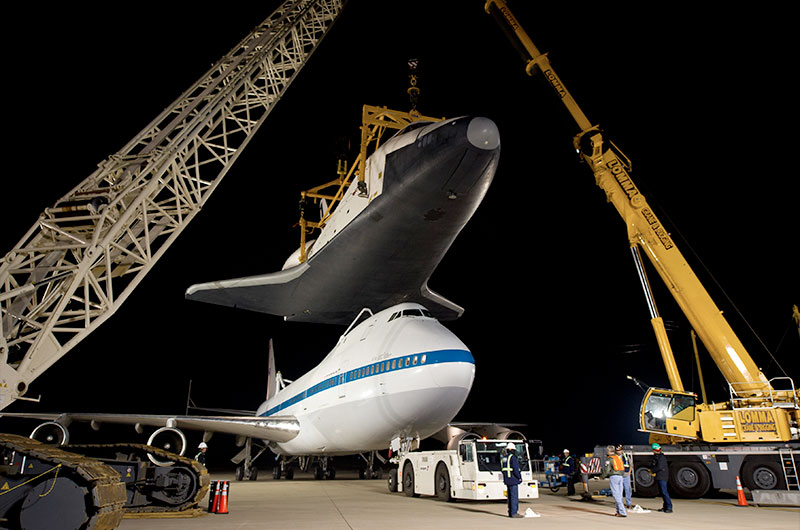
{"x": 386, "y": 366}
{"x": 397, "y": 363}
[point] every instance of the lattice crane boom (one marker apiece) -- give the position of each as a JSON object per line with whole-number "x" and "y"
{"x": 84, "y": 255}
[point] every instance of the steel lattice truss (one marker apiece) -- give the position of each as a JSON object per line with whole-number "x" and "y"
{"x": 86, "y": 254}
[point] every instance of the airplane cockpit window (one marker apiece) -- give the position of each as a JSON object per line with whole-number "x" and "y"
{"x": 411, "y": 313}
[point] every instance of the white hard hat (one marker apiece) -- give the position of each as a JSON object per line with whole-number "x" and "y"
{"x": 202, "y": 446}
{"x": 566, "y": 450}
{"x": 511, "y": 445}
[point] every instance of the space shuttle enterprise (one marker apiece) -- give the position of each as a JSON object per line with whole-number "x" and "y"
{"x": 387, "y": 235}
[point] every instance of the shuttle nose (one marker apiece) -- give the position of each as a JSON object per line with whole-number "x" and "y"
{"x": 483, "y": 134}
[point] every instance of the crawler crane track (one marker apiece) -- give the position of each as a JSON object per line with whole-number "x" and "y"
{"x": 46, "y": 487}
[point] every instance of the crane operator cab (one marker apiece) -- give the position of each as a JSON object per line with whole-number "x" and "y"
{"x": 669, "y": 412}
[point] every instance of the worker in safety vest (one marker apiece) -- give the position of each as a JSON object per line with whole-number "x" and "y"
{"x": 201, "y": 455}
{"x": 570, "y": 467}
{"x": 614, "y": 469}
{"x": 626, "y": 478}
{"x": 512, "y": 479}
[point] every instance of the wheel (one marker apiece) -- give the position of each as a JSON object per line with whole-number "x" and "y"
{"x": 362, "y": 473}
{"x": 377, "y": 473}
{"x": 762, "y": 475}
{"x": 646, "y": 485}
{"x": 254, "y": 474}
{"x": 331, "y": 472}
{"x": 276, "y": 471}
{"x": 689, "y": 479}
{"x": 408, "y": 480}
{"x": 392, "y": 480}
{"x": 239, "y": 473}
{"x": 319, "y": 474}
{"x": 442, "y": 483}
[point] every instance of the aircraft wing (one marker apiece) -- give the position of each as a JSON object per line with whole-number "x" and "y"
{"x": 275, "y": 428}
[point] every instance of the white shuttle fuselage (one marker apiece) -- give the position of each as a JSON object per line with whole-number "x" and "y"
{"x": 399, "y": 374}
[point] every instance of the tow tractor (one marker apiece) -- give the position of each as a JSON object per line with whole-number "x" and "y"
{"x": 472, "y": 472}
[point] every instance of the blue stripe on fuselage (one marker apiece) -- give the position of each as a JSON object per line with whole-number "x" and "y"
{"x": 370, "y": 370}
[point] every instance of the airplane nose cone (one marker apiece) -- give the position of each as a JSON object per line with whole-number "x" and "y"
{"x": 483, "y": 134}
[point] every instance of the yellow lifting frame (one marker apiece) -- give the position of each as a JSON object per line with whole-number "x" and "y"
{"x": 374, "y": 122}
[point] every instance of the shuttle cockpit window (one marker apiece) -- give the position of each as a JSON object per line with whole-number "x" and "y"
{"x": 413, "y": 126}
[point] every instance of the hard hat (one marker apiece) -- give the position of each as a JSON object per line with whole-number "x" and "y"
{"x": 511, "y": 447}
{"x": 566, "y": 451}
{"x": 619, "y": 447}
{"x": 655, "y": 447}
{"x": 202, "y": 445}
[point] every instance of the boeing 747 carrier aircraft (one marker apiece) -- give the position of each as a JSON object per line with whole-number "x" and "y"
{"x": 393, "y": 379}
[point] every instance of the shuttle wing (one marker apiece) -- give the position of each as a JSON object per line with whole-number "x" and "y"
{"x": 276, "y": 429}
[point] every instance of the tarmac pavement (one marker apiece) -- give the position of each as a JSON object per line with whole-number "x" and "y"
{"x": 348, "y": 503}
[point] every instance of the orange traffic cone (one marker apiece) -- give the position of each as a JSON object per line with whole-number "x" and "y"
{"x": 213, "y": 495}
{"x": 223, "y": 499}
{"x": 740, "y": 492}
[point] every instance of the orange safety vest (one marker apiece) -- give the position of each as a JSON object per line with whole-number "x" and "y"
{"x": 616, "y": 463}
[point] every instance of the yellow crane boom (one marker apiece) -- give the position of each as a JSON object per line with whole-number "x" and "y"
{"x": 749, "y": 386}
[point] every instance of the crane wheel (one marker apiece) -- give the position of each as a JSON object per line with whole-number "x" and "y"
{"x": 762, "y": 475}
{"x": 689, "y": 479}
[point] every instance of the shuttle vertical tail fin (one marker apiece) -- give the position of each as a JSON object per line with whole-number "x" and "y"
{"x": 272, "y": 379}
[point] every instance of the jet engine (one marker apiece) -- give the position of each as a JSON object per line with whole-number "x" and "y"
{"x": 169, "y": 439}
{"x": 508, "y": 434}
{"x": 51, "y": 433}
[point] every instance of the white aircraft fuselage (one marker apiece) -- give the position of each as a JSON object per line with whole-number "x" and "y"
{"x": 398, "y": 374}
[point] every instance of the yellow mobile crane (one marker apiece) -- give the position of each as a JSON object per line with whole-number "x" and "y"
{"x": 755, "y": 433}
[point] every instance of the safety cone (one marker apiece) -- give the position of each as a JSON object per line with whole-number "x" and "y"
{"x": 740, "y": 492}
{"x": 217, "y": 496}
{"x": 223, "y": 499}
{"x": 213, "y": 494}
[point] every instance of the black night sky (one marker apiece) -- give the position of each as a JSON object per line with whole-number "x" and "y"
{"x": 702, "y": 101}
